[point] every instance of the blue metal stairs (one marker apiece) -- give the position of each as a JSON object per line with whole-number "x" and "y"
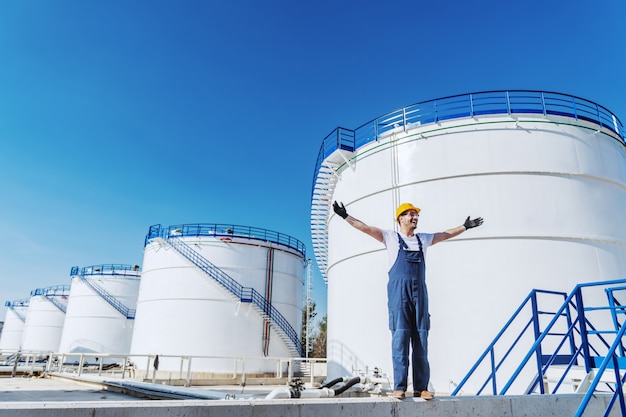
{"x": 113, "y": 301}
{"x": 54, "y": 294}
{"x": 55, "y": 300}
{"x": 18, "y": 303}
{"x": 577, "y": 346}
{"x": 243, "y": 294}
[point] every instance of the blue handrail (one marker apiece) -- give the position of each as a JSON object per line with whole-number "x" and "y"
{"x": 52, "y": 294}
{"x": 52, "y": 290}
{"x": 107, "y": 269}
{"x": 18, "y": 303}
{"x": 618, "y": 394}
{"x": 24, "y": 302}
{"x": 244, "y": 294}
{"x": 469, "y": 105}
{"x": 530, "y": 300}
{"x": 579, "y": 334}
{"x": 225, "y": 230}
{"x": 113, "y": 301}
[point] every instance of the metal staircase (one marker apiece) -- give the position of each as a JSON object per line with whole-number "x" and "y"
{"x": 243, "y": 294}
{"x": 54, "y": 294}
{"x": 320, "y": 210}
{"x": 107, "y": 270}
{"x": 337, "y": 149}
{"x": 54, "y": 299}
{"x": 129, "y": 313}
{"x": 580, "y": 349}
{"x": 18, "y": 303}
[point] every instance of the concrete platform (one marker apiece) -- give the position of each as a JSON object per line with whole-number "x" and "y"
{"x": 36, "y": 390}
{"x": 33, "y": 397}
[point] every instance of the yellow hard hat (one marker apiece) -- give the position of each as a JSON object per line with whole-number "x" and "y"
{"x": 404, "y": 207}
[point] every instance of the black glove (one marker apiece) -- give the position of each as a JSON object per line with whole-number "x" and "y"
{"x": 472, "y": 223}
{"x": 340, "y": 210}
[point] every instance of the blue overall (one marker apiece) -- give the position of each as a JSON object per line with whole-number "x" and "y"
{"x": 409, "y": 320}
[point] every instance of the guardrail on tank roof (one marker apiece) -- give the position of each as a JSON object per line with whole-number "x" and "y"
{"x": 23, "y": 303}
{"x": 53, "y": 294}
{"x": 225, "y": 230}
{"x": 18, "y": 303}
{"x": 469, "y": 105}
{"x": 106, "y": 269}
{"x": 52, "y": 290}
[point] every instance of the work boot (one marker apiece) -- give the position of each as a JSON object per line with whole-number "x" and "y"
{"x": 426, "y": 395}
{"x": 399, "y": 394}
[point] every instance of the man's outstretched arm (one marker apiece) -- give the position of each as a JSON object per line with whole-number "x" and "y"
{"x": 455, "y": 231}
{"x": 373, "y": 231}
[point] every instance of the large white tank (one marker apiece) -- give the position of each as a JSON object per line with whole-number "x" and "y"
{"x": 183, "y": 310}
{"x": 546, "y": 171}
{"x": 45, "y": 318}
{"x": 101, "y": 309}
{"x": 11, "y": 337}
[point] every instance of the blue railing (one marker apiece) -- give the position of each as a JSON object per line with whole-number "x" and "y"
{"x": 53, "y": 294}
{"x": 109, "y": 270}
{"x": 18, "y": 303}
{"x": 517, "y": 320}
{"x": 227, "y": 231}
{"x": 611, "y": 360}
{"x": 469, "y": 105}
{"x": 24, "y": 302}
{"x": 584, "y": 342}
{"x": 244, "y": 294}
{"x": 52, "y": 290}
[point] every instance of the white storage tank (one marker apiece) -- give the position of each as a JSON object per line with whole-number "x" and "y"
{"x": 101, "y": 309}
{"x": 546, "y": 171}
{"x": 11, "y": 337}
{"x": 203, "y": 290}
{"x": 45, "y": 318}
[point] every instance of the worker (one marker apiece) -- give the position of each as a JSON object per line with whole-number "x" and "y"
{"x": 407, "y": 295}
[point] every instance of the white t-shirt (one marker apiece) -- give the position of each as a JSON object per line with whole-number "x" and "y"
{"x": 390, "y": 239}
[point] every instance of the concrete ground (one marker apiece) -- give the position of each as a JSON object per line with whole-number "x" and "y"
{"x": 29, "y": 389}
{"x": 52, "y": 397}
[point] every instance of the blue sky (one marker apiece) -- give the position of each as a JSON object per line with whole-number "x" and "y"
{"x": 118, "y": 115}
